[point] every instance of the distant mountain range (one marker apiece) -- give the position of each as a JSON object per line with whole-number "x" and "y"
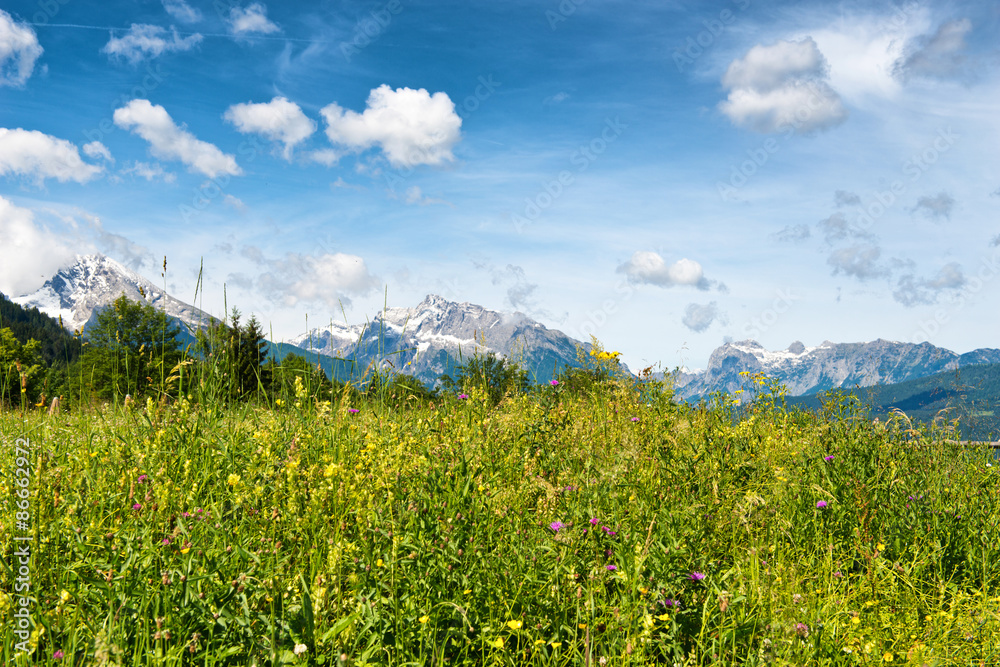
{"x": 808, "y": 370}
{"x": 76, "y": 295}
{"x": 437, "y": 335}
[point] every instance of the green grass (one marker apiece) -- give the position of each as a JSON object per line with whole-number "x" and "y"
{"x": 420, "y": 534}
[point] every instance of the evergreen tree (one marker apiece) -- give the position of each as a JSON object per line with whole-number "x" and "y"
{"x": 130, "y": 350}
{"x": 494, "y": 375}
{"x": 236, "y": 354}
{"x": 20, "y": 369}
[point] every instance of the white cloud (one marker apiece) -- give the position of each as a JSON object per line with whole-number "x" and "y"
{"x": 235, "y": 202}
{"x": 414, "y": 195}
{"x": 95, "y": 150}
{"x": 182, "y": 11}
{"x": 792, "y": 234}
{"x": 148, "y": 41}
{"x": 149, "y": 171}
{"x": 39, "y": 156}
{"x": 278, "y": 120}
{"x": 325, "y": 156}
{"x": 251, "y": 20}
{"x": 860, "y": 261}
{"x": 170, "y": 142}
{"x": 937, "y": 56}
{"x": 783, "y": 86}
{"x": 410, "y": 126}
{"x": 29, "y": 254}
{"x": 648, "y": 267}
{"x": 327, "y": 278}
{"x": 912, "y": 291}
{"x": 697, "y": 318}
{"x": 937, "y": 207}
{"x": 19, "y": 49}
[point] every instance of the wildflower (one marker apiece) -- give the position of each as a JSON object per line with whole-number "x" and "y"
{"x": 888, "y": 657}
{"x": 696, "y": 576}
{"x": 463, "y": 396}
{"x": 514, "y": 625}
{"x": 635, "y": 419}
{"x": 554, "y": 383}
{"x": 166, "y": 540}
{"x": 821, "y": 504}
{"x": 664, "y": 617}
{"x": 593, "y": 521}
{"x": 300, "y": 649}
{"x": 424, "y": 619}
{"x": 556, "y": 526}
{"x": 137, "y": 507}
{"x": 828, "y": 458}
{"x": 233, "y": 480}
{"x": 612, "y": 568}
{"x": 142, "y": 478}
{"x": 881, "y": 547}
{"x": 802, "y": 630}
{"x": 496, "y": 643}
{"x": 58, "y": 655}
{"x": 353, "y": 411}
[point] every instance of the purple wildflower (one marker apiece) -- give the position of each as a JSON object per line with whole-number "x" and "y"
{"x": 593, "y": 521}
{"x": 554, "y": 383}
{"x": 463, "y": 396}
{"x": 828, "y": 458}
{"x": 142, "y": 478}
{"x": 821, "y": 504}
{"x": 612, "y": 568}
{"x": 58, "y": 655}
{"x": 353, "y": 411}
{"x": 166, "y": 540}
{"x": 635, "y": 419}
{"x": 137, "y": 507}
{"x": 696, "y": 576}
{"x": 556, "y": 526}
{"x": 802, "y": 630}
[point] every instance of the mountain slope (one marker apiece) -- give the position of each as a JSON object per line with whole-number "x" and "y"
{"x": 971, "y": 394}
{"x": 56, "y": 344}
{"x": 806, "y": 370}
{"x": 437, "y": 335}
{"x": 76, "y": 295}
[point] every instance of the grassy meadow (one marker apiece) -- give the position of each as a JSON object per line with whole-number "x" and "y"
{"x": 586, "y": 524}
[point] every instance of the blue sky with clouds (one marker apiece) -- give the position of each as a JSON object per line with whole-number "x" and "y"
{"x": 662, "y": 175}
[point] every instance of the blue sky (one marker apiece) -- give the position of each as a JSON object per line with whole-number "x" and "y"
{"x": 663, "y": 175}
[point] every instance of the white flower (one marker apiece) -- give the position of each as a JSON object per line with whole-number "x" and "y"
{"x": 300, "y": 649}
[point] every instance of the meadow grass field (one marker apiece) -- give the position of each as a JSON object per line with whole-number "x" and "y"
{"x": 599, "y": 526}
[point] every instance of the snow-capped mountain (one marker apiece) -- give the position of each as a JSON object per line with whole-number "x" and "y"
{"x": 807, "y": 370}
{"x": 76, "y": 294}
{"x": 437, "y": 334}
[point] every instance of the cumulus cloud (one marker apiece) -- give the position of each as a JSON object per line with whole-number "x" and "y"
{"x": 995, "y": 242}
{"x": 182, "y": 11}
{"x": 234, "y": 202}
{"x": 937, "y": 207}
{"x": 170, "y": 142}
{"x": 252, "y": 20}
{"x": 860, "y": 261}
{"x": 38, "y": 156}
{"x": 414, "y": 195}
{"x": 912, "y": 291}
{"x": 411, "y": 127}
{"x": 151, "y": 171}
{"x": 19, "y": 49}
{"x": 837, "y": 228}
{"x": 144, "y": 41}
{"x": 95, "y": 150}
{"x": 128, "y": 252}
{"x": 327, "y": 278}
{"x": 937, "y": 56}
{"x": 792, "y": 234}
{"x": 278, "y": 120}
{"x": 29, "y": 253}
{"x": 698, "y": 317}
{"x": 843, "y": 198}
{"x": 648, "y": 267}
{"x": 782, "y": 86}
